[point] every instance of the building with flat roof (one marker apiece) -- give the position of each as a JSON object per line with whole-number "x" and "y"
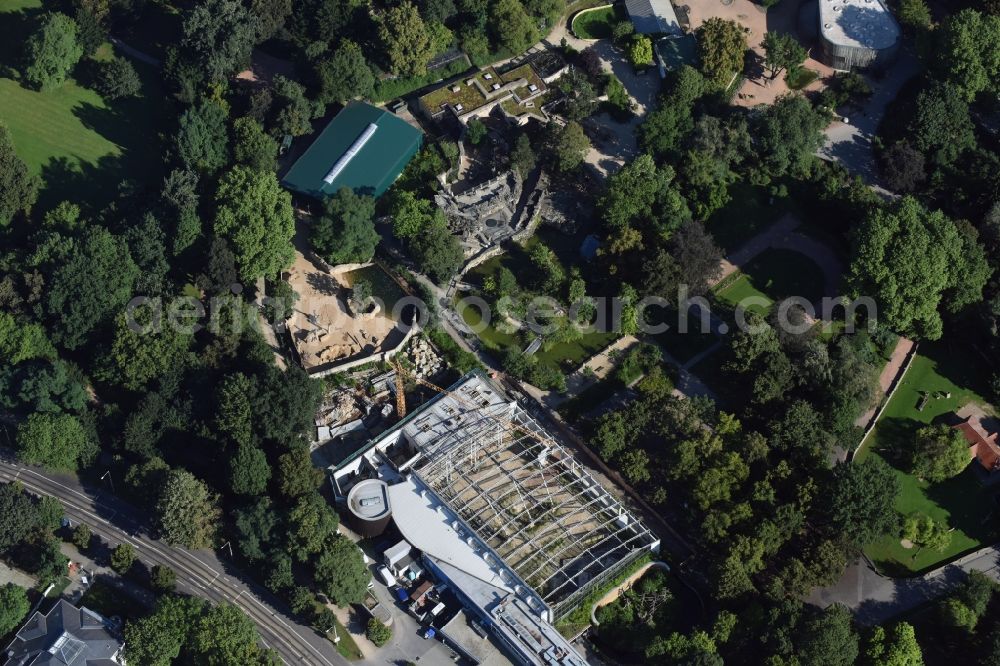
{"x": 364, "y": 148}
{"x": 857, "y": 33}
{"x": 65, "y": 636}
{"x": 653, "y": 17}
{"x": 501, "y": 511}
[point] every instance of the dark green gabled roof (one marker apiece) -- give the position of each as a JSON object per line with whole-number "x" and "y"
{"x": 375, "y": 166}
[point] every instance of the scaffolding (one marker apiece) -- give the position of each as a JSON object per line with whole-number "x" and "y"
{"x": 529, "y": 500}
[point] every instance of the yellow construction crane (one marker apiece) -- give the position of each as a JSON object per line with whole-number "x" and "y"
{"x": 400, "y": 394}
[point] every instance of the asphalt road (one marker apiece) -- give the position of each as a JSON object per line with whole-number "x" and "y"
{"x": 199, "y": 573}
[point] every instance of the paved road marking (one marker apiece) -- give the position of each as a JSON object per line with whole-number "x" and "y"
{"x": 174, "y": 558}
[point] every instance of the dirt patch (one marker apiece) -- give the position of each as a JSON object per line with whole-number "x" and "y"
{"x": 324, "y": 329}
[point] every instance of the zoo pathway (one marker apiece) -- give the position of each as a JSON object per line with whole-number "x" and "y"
{"x": 783, "y": 235}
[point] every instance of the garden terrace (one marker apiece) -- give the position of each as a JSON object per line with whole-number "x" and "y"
{"x": 481, "y": 92}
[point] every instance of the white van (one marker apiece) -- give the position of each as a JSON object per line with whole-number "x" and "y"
{"x": 387, "y": 577}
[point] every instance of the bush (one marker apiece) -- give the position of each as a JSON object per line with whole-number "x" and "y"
{"x": 378, "y": 633}
{"x": 622, "y": 31}
{"x": 301, "y": 601}
{"x": 639, "y": 361}
{"x": 457, "y": 358}
{"x": 280, "y": 302}
{"x": 800, "y": 77}
{"x": 640, "y": 51}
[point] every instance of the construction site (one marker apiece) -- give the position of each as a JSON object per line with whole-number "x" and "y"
{"x": 499, "y": 510}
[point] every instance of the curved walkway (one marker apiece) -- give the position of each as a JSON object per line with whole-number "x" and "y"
{"x": 887, "y": 379}
{"x": 875, "y": 598}
{"x": 783, "y": 235}
{"x": 613, "y": 594}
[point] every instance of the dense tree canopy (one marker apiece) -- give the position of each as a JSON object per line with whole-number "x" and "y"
{"x": 341, "y": 572}
{"x": 406, "y": 40}
{"x": 51, "y": 51}
{"x": 907, "y": 258}
{"x": 255, "y": 214}
{"x": 187, "y": 511}
{"x": 345, "y": 233}
{"x": 89, "y": 286}
{"x": 862, "y": 501}
{"x": 721, "y": 46}
{"x": 18, "y": 186}
{"x": 219, "y": 36}
{"x": 58, "y": 441}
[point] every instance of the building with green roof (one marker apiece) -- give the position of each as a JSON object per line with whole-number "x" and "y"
{"x": 364, "y": 148}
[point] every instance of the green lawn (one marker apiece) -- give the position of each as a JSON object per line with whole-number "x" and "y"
{"x": 740, "y": 289}
{"x": 962, "y": 502}
{"x": 494, "y": 339}
{"x": 82, "y": 146}
{"x": 800, "y": 77}
{"x": 771, "y": 276}
{"x": 596, "y": 23}
{"x": 749, "y": 211}
{"x": 347, "y": 647}
{"x": 570, "y": 355}
{"x": 783, "y": 273}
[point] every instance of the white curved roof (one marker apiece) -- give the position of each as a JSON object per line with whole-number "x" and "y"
{"x": 860, "y": 23}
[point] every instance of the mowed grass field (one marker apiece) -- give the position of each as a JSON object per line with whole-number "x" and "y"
{"x": 80, "y": 144}
{"x": 962, "y": 502}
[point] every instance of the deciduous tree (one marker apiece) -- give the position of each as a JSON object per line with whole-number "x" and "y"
{"x": 345, "y": 75}
{"x": 249, "y": 471}
{"x": 567, "y": 145}
{"x": 122, "y": 558}
{"x": 787, "y": 136}
{"x": 907, "y": 258}
{"x": 51, "y": 51}
{"x": 57, "y": 441}
{"x": 861, "y": 503}
{"x": 13, "y": 607}
{"x": 341, "y": 572}
{"x": 187, "y": 511}
{"x": 345, "y": 233}
{"x": 514, "y": 28}
{"x": 117, "y": 78}
{"x": 219, "y": 36}
{"x": 18, "y": 186}
{"x": 782, "y": 52}
{"x": 406, "y": 40}
{"x": 252, "y": 147}
{"x": 255, "y": 215}
{"x": 939, "y": 453}
{"x": 201, "y": 141}
{"x": 721, "y": 46}
{"x": 94, "y": 282}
